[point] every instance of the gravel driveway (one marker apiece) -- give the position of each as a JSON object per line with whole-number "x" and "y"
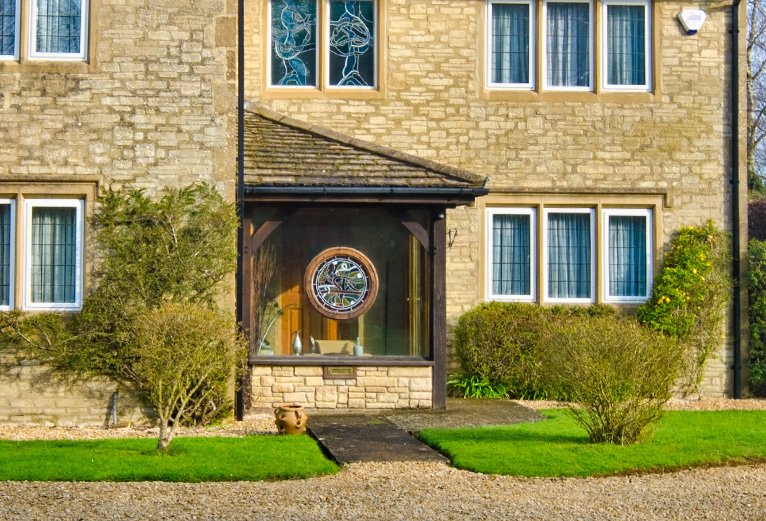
{"x": 406, "y": 491}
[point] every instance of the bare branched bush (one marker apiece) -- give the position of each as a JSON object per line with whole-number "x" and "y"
{"x": 618, "y": 373}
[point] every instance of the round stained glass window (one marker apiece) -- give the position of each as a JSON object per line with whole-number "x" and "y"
{"x": 341, "y": 283}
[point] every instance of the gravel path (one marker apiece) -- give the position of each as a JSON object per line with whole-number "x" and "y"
{"x": 393, "y": 491}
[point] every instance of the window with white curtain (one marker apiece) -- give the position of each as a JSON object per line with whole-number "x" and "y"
{"x": 566, "y": 43}
{"x": 58, "y": 29}
{"x": 628, "y": 255}
{"x": 626, "y": 44}
{"x": 53, "y": 254}
{"x": 511, "y": 255}
{"x": 9, "y": 29}
{"x": 511, "y": 43}
{"x": 568, "y": 49}
{"x": 7, "y": 229}
{"x": 569, "y": 254}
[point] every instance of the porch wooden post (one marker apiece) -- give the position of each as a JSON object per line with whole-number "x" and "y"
{"x": 439, "y": 308}
{"x": 246, "y": 305}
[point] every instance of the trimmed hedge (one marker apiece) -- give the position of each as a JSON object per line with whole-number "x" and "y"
{"x": 756, "y": 289}
{"x": 498, "y": 342}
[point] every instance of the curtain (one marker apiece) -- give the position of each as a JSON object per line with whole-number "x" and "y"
{"x": 510, "y": 43}
{"x": 627, "y": 256}
{"x": 568, "y": 42}
{"x": 5, "y": 254}
{"x": 511, "y": 255}
{"x": 569, "y": 255}
{"x": 58, "y": 26}
{"x": 54, "y": 254}
{"x": 626, "y": 45}
{"x": 8, "y": 27}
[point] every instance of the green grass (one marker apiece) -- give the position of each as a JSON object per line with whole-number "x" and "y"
{"x": 560, "y": 447}
{"x": 252, "y": 458}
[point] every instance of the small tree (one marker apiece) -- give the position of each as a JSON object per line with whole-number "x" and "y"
{"x": 619, "y": 373}
{"x": 159, "y": 261}
{"x": 184, "y": 354}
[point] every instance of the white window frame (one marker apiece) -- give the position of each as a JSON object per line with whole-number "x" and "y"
{"x": 532, "y": 46}
{"x": 591, "y": 45}
{"x": 29, "y": 205}
{"x": 632, "y": 212}
{"x": 58, "y": 56}
{"x": 269, "y": 63}
{"x": 593, "y": 247}
{"x": 325, "y": 50}
{"x": 12, "y": 270}
{"x": 17, "y": 29}
{"x": 646, "y": 4}
{"x": 532, "y": 213}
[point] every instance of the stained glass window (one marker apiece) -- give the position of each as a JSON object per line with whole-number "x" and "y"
{"x": 352, "y": 43}
{"x": 293, "y": 43}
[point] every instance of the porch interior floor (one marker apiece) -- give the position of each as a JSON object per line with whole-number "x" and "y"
{"x": 386, "y": 435}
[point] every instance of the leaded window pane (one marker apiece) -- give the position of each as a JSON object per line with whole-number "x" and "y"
{"x": 510, "y": 43}
{"x": 59, "y": 25}
{"x": 5, "y": 254}
{"x": 568, "y": 44}
{"x": 7, "y": 27}
{"x": 511, "y": 255}
{"x": 626, "y": 45}
{"x": 569, "y": 255}
{"x": 53, "y": 266}
{"x": 627, "y": 256}
{"x": 352, "y": 43}
{"x": 293, "y": 43}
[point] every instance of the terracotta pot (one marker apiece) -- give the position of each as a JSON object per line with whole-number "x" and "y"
{"x": 291, "y": 419}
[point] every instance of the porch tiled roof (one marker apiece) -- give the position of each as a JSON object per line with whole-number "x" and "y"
{"x": 284, "y": 152}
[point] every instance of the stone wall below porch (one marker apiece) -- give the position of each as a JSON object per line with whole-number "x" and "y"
{"x": 374, "y": 387}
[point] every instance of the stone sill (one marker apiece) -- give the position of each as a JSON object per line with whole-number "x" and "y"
{"x": 325, "y": 360}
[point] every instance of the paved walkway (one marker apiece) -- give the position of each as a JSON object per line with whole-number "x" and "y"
{"x": 384, "y": 436}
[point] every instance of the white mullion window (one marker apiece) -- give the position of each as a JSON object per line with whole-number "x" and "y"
{"x": 53, "y": 253}
{"x": 58, "y": 30}
{"x": 568, "y": 45}
{"x": 293, "y": 57}
{"x": 511, "y": 254}
{"x": 9, "y": 29}
{"x": 569, "y": 255}
{"x": 626, "y": 49}
{"x": 7, "y": 252}
{"x": 510, "y": 44}
{"x": 628, "y": 245}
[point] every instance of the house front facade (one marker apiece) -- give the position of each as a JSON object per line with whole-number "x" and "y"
{"x": 402, "y": 162}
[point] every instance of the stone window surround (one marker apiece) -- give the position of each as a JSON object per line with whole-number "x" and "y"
{"x": 597, "y": 90}
{"x": 323, "y": 89}
{"x": 23, "y": 196}
{"x": 602, "y": 206}
{"x": 25, "y": 32}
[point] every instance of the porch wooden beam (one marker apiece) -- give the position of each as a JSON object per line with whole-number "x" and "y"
{"x": 439, "y": 308}
{"x": 414, "y": 227}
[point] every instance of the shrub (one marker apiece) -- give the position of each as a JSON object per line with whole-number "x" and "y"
{"x": 756, "y": 289}
{"x": 497, "y": 342}
{"x": 756, "y": 219}
{"x": 619, "y": 373}
{"x": 154, "y": 254}
{"x": 690, "y": 295}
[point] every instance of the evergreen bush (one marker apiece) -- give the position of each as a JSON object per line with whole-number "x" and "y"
{"x": 756, "y": 289}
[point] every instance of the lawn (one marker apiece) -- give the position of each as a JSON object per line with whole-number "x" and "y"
{"x": 560, "y": 447}
{"x": 252, "y": 458}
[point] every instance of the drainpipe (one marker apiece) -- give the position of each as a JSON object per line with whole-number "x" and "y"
{"x": 737, "y": 319}
{"x": 240, "y": 395}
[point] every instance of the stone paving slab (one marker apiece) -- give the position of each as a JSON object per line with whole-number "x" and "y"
{"x": 350, "y": 438}
{"x": 354, "y": 436}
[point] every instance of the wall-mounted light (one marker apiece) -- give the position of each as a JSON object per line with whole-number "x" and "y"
{"x": 692, "y": 20}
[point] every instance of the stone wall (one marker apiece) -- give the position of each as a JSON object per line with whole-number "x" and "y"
{"x": 432, "y": 102}
{"x": 372, "y": 388}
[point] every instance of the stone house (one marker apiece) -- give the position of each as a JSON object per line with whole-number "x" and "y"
{"x": 402, "y": 162}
